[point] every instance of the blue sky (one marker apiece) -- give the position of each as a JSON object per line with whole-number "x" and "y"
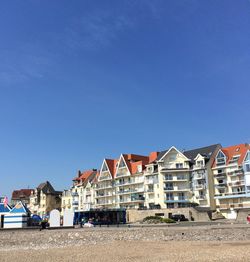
{"x": 83, "y": 80}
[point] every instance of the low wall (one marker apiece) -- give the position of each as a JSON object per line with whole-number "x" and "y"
{"x": 190, "y": 213}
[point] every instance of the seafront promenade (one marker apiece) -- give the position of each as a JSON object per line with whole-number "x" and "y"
{"x": 217, "y": 242}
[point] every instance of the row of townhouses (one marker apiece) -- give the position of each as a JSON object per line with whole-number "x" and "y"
{"x": 212, "y": 177}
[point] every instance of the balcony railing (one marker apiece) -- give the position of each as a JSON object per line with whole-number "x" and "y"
{"x": 74, "y": 194}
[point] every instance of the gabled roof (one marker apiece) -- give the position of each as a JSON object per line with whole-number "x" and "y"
{"x": 206, "y": 152}
{"x": 20, "y": 208}
{"x": 133, "y": 161}
{"x": 22, "y": 193}
{"x": 235, "y": 150}
{"x": 111, "y": 163}
{"x": 163, "y": 153}
{"x": 86, "y": 176}
{"x": 46, "y": 188}
{"x": 4, "y": 209}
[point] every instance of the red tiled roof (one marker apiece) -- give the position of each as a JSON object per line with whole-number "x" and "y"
{"x": 22, "y": 193}
{"x": 84, "y": 175}
{"x": 112, "y": 166}
{"x": 235, "y": 150}
{"x": 153, "y": 156}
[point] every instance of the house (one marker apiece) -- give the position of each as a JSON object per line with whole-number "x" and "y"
{"x": 21, "y": 195}
{"x": 44, "y": 198}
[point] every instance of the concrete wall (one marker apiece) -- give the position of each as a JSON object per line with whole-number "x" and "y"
{"x": 190, "y": 213}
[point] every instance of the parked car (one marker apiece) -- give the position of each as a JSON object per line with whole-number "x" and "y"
{"x": 179, "y": 217}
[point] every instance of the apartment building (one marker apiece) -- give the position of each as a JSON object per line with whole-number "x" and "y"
{"x": 104, "y": 185}
{"x": 178, "y": 179}
{"x": 82, "y": 191}
{"x": 44, "y": 198}
{"x": 202, "y": 182}
{"x": 129, "y": 181}
{"x": 231, "y": 171}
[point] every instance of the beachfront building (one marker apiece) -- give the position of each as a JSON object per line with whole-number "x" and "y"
{"x": 151, "y": 183}
{"x": 66, "y": 200}
{"x": 82, "y": 191}
{"x": 104, "y": 185}
{"x": 202, "y": 182}
{"x": 44, "y": 198}
{"x": 21, "y": 195}
{"x": 129, "y": 181}
{"x": 231, "y": 179}
{"x": 175, "y": 179}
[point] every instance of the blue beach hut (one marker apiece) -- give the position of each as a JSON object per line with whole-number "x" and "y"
{"x": 17, "y": 217}
{"x": 3, "y": 211}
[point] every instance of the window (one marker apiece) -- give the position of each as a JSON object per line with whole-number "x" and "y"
{"x": 247, "y": 167}
{"x": 220, "y": 159}
{"x": 169, "y": 196}
{"x": 169, "y": 177}
{"x": 200, "y": 163}
{"x": 169, "y": 186}
{"x": 104, "y": 168}
{"x": 121, "y": 164}
{"x": 179, "y": 165}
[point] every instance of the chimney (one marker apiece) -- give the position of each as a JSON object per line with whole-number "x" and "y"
{"x": 79, "y": 173}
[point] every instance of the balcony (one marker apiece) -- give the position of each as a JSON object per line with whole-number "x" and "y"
{"x": 236, "y": 173}
{"x": 220, "y": 185}
{"x": 237, "y": 183}
{"x": 150, "y": 181}
{"x": 98, "y": 187}
{"x": 241, "y": 194}
{"x": 178, "y": 189}
{"x": 128, "y": 183}
{"x": 103, "y": 195}
{"x": 75, "y": 203}
{"x": 74, "y": 194}
{"x": 200, "y": 187}
{"x": 222, "y": 174}
{"x": 199, "y": 177}
{"x": 123, "y": 192}
{"x": 150, "y": 190}
{"x": 166, "y": 169}
{"x": 139, "y": 199}
{"x": 177, "y": 200}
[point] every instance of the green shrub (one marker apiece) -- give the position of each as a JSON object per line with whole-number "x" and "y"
{"x": 168, "y": 220}
{"x": 158, "y": 219}
{"x": 152, "y": 218}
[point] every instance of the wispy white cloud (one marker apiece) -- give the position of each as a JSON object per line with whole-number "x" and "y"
{"x": 23, "y": 64}
{"x": 96, "y": 30}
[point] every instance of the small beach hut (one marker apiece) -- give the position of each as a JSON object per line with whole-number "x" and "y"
{"x": 4, "y": 210}
{"x": 17, "y": 217}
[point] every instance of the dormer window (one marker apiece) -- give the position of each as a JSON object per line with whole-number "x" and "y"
{"x": 104, "y": 168}
{"x": 200, "y": 163}
{"x": 121, "y": 164}
{"x": 234, "y": 159}
{"x": 220, "y": 159}
{"x": 139, "y": 168}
